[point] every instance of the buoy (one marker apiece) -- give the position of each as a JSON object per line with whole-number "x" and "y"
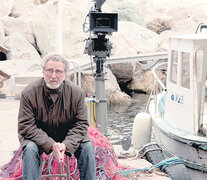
{"x": 141, "y": 131}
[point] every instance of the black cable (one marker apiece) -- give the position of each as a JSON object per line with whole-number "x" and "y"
{"x": 84, "y": 25}
{"x": 198, "y": 27}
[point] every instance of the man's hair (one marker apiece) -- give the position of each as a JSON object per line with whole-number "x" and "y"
{"x": 57, "y": 58}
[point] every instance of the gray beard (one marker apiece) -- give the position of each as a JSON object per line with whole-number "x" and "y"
{"x": 50, "y": 86}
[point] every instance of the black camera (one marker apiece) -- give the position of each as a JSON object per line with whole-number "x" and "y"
{"x": 103, "y": 22}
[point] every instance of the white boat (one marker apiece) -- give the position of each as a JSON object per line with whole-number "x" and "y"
{"x": 178, "y": 111}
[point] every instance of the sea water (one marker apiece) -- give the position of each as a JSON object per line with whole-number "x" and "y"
{"x": 121, "y": 117}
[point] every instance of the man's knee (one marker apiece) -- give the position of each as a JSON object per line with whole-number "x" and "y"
{"x": 88, "y": 148}
{"x": 31, "y": 148}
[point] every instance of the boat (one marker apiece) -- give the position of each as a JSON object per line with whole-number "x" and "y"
{"x": 178, "y": 106}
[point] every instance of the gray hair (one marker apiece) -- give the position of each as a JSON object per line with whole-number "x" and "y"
{"x": 57, "y": 58}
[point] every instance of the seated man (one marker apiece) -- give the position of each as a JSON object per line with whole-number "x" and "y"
{"x": 53, "y": 118}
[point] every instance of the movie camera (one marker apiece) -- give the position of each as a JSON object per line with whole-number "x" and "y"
{"x": 101, "y": 24}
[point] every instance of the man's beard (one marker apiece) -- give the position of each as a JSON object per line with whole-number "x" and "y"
{"x": 52, "y": 86}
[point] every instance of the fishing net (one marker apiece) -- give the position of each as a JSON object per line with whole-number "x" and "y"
{"x": 107, "y": 167}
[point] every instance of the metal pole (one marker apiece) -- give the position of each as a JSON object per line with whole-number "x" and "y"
{"x": 101, "y": 101}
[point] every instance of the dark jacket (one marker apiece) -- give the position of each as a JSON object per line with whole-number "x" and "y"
{"x": 44, "y": 122}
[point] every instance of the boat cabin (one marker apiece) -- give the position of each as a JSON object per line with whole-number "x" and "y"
{"x": 186, "y": 82}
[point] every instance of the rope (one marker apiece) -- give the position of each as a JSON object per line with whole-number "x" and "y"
{"x": 163, "y": 164}
{"x": 154, "y": 149}
{"x": 146, "y": 145}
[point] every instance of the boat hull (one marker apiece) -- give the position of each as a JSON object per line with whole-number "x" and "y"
{"x": 194, "y": 155}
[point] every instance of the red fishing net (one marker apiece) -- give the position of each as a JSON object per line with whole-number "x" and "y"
{"x": 107, "y": 167}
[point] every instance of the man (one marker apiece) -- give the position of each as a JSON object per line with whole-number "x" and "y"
{"x": 53, "y": 118}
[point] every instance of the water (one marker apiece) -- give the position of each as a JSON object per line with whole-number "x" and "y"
{"x": 121, "y": 117}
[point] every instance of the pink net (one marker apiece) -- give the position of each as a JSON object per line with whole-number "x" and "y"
{"x": 107, "y": 166}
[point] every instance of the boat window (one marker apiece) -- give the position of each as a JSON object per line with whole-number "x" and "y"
{"x": 174, "y": 58}
{"x": 199, "y": 61}
{"x": 185, "y": 76}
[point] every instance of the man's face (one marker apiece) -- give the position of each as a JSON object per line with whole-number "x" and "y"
{"x": 54, "y": 74}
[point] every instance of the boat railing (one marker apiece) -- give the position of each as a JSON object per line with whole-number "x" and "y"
{"x": 75, "y": 73}
{"x": 159, "y": 85}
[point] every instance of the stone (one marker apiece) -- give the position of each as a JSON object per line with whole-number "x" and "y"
{"x": 21, "y": 7}
{"x": 161, "y": 24}
{"x": 132, "y": 39}
{"x": 189, "y": 14}
{"x": 127, "y": 11}
{"x": 6, "y": 7}
{"x": 20, "y": 48}
{"x": 113, "y": 92}
{"x": 2, "y": 35}
{"x": 3, "y": 76}
{"x": 46, "y": 31}
{"x": 13, "y": 25}
{"x": 145, "y": 82}
{"x": 19, "y": 68}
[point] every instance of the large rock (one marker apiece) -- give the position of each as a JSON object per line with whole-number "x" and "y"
{"x": 6, "y": 7}
{"x": 127, "y": 11}
{"x": 124, "y": 71}
{"x": 21, "y": 7}
{"x": 14, "y": 25}
{"x": 20, "y": 48}
{"x": 46, "y": 32}
{"x": 113, "y": 92}
{"x": 145, "y": 82}
{"x": 3, "y": 76}
{"x": 2, "y": 35}
{"x": 132, "y": 39}
{"x": 18, "y": 68}
{"x": 181, "y": 16}
{"x": 21, "y": 67}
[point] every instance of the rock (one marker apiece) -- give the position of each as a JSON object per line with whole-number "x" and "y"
{"x": 13, "y": 25}
{"x": 160, "y": 24}
{"x": 2, "y": 35}
{"x": 127, "y": 11}
{"x": 44, "y": 20}
{"x": 128, "y": 69}
{"x": 144, "y": 83}
{"x": 20, "y": 48}
{"x": 20, "y": 68}
{"x": 6, "y": 7}
{"x": 113, "y": 92}
{"x": 189, "y": 14}
{"x": 21, "y": 7}
{"x": 116, "y": 96}
{"x": 132, "y": 39}
{"x": 3, "y": 76}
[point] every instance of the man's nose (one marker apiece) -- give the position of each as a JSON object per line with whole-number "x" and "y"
{"x": 54, "y": 75}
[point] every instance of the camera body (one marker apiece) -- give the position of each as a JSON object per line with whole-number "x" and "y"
{"x": 101, "y": 24}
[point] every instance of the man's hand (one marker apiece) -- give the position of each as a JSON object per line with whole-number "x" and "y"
{"x": 59, "y": 151}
